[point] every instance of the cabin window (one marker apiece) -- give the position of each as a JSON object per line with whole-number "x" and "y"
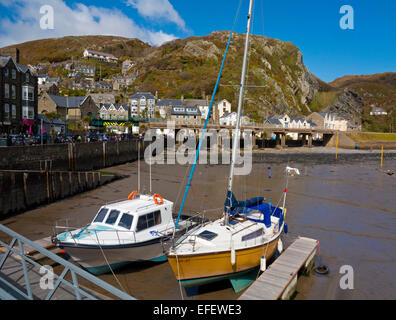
{"x": 207, "y": 235}
{"x": 126, "y": 221}
{"x": 101, "y": 215}
{"x": 112, "y": 218}
{"x": 148, "y": 220}
{"x": 253, "y": 235}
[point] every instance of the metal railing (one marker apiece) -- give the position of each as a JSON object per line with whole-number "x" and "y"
{"x": 75, "y": 271}
{"x": 69, "y": 232}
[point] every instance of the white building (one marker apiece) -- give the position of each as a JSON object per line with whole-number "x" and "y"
{"x": 142, "y": 103}
{"x": 229, "y": 119}
{"x": 378, "y": 112}
{"x": 221, "y": 108}
{"x": 90, "y": 54}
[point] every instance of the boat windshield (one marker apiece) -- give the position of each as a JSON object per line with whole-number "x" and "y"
{"x": 101, "y": 215}
{"x": 126, "y": 221}
{"x": 112, "y": 218}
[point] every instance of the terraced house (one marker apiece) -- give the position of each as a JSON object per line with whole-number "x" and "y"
{"x": 18, "y": 97}
{"x": 142, "y": 104}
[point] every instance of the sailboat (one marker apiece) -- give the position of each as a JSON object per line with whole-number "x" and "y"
{"x": 244, "y": 238}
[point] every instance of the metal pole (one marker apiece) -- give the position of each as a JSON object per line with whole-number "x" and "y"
{"x": 42, "y": 120}
{"x": 240, "y": 101}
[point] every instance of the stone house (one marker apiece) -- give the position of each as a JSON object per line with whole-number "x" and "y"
{"x": 69, "y": 108}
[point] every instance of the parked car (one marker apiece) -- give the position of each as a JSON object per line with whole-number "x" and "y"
{"x": 17, "y": 140}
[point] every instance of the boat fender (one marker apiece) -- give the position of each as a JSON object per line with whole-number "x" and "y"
{"x": 286, "y": 230}
{"x": 263, "y": 264}
{"x": 280, "y": 246}
{"x": 132, "y": 195}
{"x": 233, "y": 256}
{"x": 158, "y": 199}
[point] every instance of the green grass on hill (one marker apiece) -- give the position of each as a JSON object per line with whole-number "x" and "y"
{"x": 372, "y": 136}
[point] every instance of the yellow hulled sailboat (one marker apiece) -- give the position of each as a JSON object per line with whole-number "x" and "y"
{"x": 245, "y": 237}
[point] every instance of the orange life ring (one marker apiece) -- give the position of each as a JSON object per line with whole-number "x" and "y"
{"x": 158, "y": 199}
{"x": 132, "y": 195}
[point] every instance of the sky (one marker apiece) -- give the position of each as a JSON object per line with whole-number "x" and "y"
{"x": 313, "y": 26}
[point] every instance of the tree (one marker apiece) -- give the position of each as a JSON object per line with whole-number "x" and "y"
{"x": 52, "y": 116}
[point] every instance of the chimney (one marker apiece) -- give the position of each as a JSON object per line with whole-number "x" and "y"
{"x": 156, "y": 95}
{"x": 17, "y": 55}
{"x": 182, "y": 98}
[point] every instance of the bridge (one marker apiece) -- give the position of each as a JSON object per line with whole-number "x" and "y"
{"x": 306, "y": 134}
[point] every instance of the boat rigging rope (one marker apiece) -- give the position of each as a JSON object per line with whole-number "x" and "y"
{"x": 108, "y": 264}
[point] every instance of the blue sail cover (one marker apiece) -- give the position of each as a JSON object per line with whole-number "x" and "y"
{"x": 232, "y": 207}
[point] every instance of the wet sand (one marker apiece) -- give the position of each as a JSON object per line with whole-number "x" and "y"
{"x": 349, "y": 207}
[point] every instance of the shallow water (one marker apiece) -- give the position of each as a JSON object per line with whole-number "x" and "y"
{"x": 350, "y": 208}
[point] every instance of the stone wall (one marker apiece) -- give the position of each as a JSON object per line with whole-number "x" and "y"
{"x": 69, "y": 157}
{"x": 22, "y": 190}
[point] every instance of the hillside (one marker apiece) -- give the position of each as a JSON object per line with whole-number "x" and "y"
{"x": 189, "y": 67}
{"x": 377, "y": 90}
{"x": 62, "y": 49}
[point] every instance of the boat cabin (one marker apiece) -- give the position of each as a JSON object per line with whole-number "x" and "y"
{"x": 139, "y": 214}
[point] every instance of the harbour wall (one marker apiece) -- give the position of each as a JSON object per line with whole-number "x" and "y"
{"x": 22, "y": 190}
{"x": 71, "y": 156}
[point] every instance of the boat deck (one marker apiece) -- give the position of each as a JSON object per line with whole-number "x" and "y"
{"x": 278, "y": 281}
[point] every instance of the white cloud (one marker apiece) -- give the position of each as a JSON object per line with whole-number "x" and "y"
{"x": 77, "y": 20}
{"x": 158, "y": 9}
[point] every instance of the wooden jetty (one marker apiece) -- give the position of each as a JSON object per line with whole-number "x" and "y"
{"x": 280, "y": 279}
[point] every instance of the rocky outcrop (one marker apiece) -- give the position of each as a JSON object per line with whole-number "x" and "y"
{"x": 349, "y": 105}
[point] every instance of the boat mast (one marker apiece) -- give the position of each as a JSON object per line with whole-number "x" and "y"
{"x": 240, "y": 102}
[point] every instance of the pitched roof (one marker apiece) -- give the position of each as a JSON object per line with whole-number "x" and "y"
{"x": 169, "y": 102}
{"x": 140, "y": 95}
{"x": 67, "y": 102}
{"x": 107, "y": 106}
{"x": 194, "y": 102}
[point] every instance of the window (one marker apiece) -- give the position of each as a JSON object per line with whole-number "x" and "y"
{"x": 25, "y": 111}
{"x": 253, "y": 235}
{"x": 101, "y": 215}
{"x": 13, "y": 92}
{"x": 126, "y": 221}
{"x": 148, "y": 220}
{"x": 207, "y": 235}
{"x": 28, "y": 93}
{"x": 27, "y": 77}
{"x": 13, "y": 72}
{"x": 13, "y": 111}
{"x": 112, "y": 218}
{"x": 6, "y": 111}
{"x": 6, "y": 73}
{"x": 6, "y": 90}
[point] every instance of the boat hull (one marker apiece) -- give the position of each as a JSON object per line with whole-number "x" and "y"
{"x": 96, "y": 259}
{"x": 193, "y": 270}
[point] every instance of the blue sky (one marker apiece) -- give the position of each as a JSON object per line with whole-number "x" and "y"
{"x": 312, "y": 25}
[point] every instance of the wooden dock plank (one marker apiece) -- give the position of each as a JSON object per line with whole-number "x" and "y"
{"x": 273, "y": 282}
